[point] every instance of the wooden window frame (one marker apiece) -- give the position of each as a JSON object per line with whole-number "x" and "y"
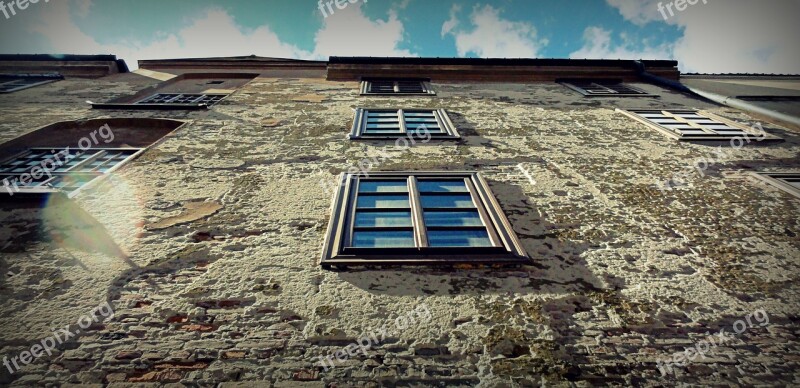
{"x": 712, "y": 134}
{"x": 776, "y": 179}
{"x": 358, "y": 131}
{"x": 635, "y": 92}
{"x": 337, "y": 252}
{"x": 43, "y": 187}
{"x": 366, "y": 86}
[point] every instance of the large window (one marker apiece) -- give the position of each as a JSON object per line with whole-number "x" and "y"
{"x": 605, "y": 88}
{"x": 418, "y": 218}
{"x": 13, "y": 83}
{"x": 40, "y": 170}
{"x": 691, "y": 125}
{"x": 396, "y": 123}
{"x": 393, "y": 87}
{"x": 786, "y": 181}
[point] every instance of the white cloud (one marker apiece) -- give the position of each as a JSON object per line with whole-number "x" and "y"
{"x": 731, "y": 36}
{"x": 639, "y": 12}
{"x": 348, "y": 32}
{"x": 451, "y": 23}
{"x": 214, "y": 34}
{"x": 598, "y": 45}
{"x": 493, "y": 36}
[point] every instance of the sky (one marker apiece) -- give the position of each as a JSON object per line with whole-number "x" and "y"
{"x": 711, "y": 36}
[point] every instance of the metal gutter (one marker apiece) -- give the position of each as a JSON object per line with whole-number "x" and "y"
{"x": 717, "y": 98}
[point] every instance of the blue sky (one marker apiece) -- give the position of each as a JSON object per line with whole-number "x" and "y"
{"x": 715, "y": 36}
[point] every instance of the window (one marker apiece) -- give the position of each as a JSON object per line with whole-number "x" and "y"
{"x": 786, "y": 181}
{"x": 396, "y": 123}
{"x": 389, "y": 87}
{"x": 13, "y": 83}
{"x": 183, "y": 99}
{"x": 67, "y": 170}
{"x": 418, "y": 219}
{"x": 690, "y": 125}
{"x": 605, "y": 88}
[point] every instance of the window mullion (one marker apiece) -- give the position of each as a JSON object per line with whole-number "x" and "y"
{"x": 487, "y": 220}
{"x": 86, "y": 162}
{"x": 177, "y": 96}
{"x": 607, "y": 90}
{"x": 417, "y": 215}
{"x": 402, "y": 121}
{"x": 688, "y": 122}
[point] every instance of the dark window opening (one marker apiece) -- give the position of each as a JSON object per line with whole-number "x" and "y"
{"x": 604, "y": 88}
{"x": 392, "y": 87}
{"x": 10, "y": 83}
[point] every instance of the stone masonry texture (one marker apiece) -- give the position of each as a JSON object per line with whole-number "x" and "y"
{"x": 222, "y": 225}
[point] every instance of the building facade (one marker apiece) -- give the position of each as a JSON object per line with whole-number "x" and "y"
{"x": 391, "y": 222}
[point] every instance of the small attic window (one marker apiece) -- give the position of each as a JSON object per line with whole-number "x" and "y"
{"x": 10, "y": 83}
{"x": 215, "y": 82}
{"x": 604, "y": 88}
{"x": 396, "y": 87}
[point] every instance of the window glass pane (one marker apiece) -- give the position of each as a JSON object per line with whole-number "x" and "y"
{"x": 457, "y": 218}
{"x": 383, "y": 219}
{"x": 459, "y": 238}
{"x": 383, "y": 239}
{"x": 382, "y": 201}
{"x": 368, "y": 186}
{"x": 426, "y": 186}
{"x": 447, "y": 201}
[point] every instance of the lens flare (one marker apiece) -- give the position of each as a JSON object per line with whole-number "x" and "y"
{"x": 106, "y": 218}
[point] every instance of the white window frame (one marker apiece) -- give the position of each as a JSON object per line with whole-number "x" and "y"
{"x": 709, "y": 134}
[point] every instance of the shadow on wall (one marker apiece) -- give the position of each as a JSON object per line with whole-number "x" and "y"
{"x": 557, "y": 267}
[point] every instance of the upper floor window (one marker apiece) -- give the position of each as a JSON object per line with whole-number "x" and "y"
{"x": 397, "y": 123}
{"x": 187, "y": 99}
{"x": 10, "y": 83}
{"x": 418, "y": 219}
{"x": 786, "y": 181}
{"x": 604, "y": 88}
{"x": 691, "y": 125}
{"x": 392, "y": 87}
{"x": 189, "y": 91}
{"x": 42, "y": 170}
{"x": 69, "y": 156}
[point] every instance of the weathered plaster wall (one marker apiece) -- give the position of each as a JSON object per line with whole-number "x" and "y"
{"x": 224, "y": 221}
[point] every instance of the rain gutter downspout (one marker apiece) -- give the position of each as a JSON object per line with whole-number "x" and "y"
{"x": 719, "y": 99}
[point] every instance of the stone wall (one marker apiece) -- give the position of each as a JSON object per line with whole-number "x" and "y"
{"x": 222, "y": 225}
